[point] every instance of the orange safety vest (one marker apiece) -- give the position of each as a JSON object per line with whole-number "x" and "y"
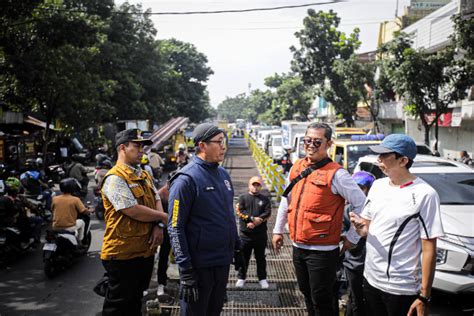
{"x": 315, "y": 213}
{"x": 124, "y": 237}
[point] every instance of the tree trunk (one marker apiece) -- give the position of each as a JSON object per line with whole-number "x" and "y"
{"x": 427, "y": 133}
{"x": 46, "y": 162}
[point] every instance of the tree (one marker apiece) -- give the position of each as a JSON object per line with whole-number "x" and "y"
{"x": 291, "y": 97}
{"x": 428, "y": 83}
{"x": 186, "y": 72}
{"x": 323, "y": 50}
{"x": 48, "y": 51}
{"x": 233, "y": 108}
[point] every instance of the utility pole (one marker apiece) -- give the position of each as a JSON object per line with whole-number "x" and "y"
{"x": 396, "y": 10}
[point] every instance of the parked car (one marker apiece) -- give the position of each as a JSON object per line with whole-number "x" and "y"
{"x": 347, "y": 152}
{"x": 454, "y": 183}
{"x": 423, "y": 149}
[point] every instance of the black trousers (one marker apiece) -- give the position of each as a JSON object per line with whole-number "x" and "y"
{"x": 212, "y": 284}
{"x": 127, "y": 281}
{"x": 164, "y": 255}
{"x": 356, "y": 304}
{"x": 316, "y": 276}
{"x": 257, "y": 243}
{"x": 382, "y": 303}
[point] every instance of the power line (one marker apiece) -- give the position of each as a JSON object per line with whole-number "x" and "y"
{"x": 210, "y": 12}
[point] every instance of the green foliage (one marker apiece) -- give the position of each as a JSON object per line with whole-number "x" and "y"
{"x": 322, "y": 58}
{"x": 86, "y": 62}
{"x": 427, "y": 82}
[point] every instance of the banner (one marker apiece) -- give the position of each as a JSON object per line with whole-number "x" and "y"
{"x": 444, "y": 120}
{"x": 457, "y": 117}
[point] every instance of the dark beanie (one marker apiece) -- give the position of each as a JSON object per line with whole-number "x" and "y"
{"x": 205, "y": 131}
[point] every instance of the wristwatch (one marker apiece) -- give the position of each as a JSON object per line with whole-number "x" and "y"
{"x": 160, "y": 224}
{"x": 424, "y": 299}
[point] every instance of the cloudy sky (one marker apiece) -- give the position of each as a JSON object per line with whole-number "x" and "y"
{"x": 244, "y": 48}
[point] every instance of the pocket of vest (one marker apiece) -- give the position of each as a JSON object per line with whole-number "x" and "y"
{"x": 316, "y": 226}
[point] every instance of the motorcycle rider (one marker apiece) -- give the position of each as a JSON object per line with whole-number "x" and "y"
{"x": 77, "y": 171}
{"x": 182, "y": 156}
{"x": 286, "y": 159}
{"x": 67, "y": 208}
{"x": 15, "y": 213}
{"x": 34, "y": 183}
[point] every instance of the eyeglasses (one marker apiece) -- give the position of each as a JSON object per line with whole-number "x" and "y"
{"x": 220, "y": 142}
{"x": 315, "y": 141}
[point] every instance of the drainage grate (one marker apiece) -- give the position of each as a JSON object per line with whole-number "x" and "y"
{"x": 283, "y": 297}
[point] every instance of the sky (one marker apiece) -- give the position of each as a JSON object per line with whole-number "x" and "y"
{"x": 245, "y": 48}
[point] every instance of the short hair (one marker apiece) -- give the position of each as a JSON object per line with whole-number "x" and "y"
{"x": 410, "y": 161}
{"x": 117, "y": 148}
{"x": 318, "y": 125}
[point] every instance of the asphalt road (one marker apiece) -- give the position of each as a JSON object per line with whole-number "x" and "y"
{"x": 25, "y": 290}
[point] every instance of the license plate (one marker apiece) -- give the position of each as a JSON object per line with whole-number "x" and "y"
{"x": 50, "y": 247}
{"x": 3, "y": 240}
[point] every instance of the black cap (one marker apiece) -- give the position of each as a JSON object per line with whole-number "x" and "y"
{"x": 205, "y": 131}
{"x": 131, "y": 135}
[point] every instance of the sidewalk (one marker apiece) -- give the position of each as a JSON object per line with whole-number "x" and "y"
{"x": 283, "y": 296}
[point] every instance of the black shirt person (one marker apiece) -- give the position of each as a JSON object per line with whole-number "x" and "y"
{"x": 253, "y": 210}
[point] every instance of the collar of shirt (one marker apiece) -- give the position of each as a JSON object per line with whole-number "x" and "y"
{"x": 136, "y": 170}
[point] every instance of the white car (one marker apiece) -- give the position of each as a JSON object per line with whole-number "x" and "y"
{"x": 454, "y": 183}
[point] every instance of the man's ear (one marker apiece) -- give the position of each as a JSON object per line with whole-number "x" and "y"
{"x": 202, "y": 145}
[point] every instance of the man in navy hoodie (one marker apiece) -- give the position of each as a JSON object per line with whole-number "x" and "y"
{"x": 202, "y": 225}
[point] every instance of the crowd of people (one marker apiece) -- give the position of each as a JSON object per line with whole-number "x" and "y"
{"x": 384, "y": 229}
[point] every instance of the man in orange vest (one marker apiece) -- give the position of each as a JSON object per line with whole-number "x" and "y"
{"x": 314, "y": 210}
{"x": 134, "y": 220}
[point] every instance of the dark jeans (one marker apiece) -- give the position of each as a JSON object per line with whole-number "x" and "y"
{"x": 164, "y": 255}
{"x": 356, "y": 304}
{"x": 257, "y": 243}
{"x": 316, "y": 276}
{"x": 212, "y": 284}
{"x": 127, "y": 281}
{"x": 378, "y": 302}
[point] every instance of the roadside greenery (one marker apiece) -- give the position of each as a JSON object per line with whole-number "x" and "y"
{"x": 430, "y": 82}
{"x": 86, "y": 62}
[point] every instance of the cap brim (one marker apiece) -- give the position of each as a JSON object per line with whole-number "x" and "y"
{"x": 380, "y": 149}
{"x": 145, "y": 142}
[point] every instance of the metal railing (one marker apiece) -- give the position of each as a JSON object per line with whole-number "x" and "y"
{"x": 271, "y": 172}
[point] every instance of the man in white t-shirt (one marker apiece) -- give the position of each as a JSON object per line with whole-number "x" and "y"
{"x": 401, "y": 220}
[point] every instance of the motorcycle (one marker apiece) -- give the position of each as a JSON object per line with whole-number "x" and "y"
{"x": 55, "y": 173}
{"x": 12, "y": 245}
{"x": 62, "y": 248}
{"x": 99, "y": 205}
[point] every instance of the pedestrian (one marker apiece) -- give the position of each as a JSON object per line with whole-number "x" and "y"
{"x": 465, "y": 158}
{"x": 134, "y": 220}
{"x": 354, "y": 258}
{"x": 253, "y": 209}
{"x": 401, "y": 219}
{"x": 314, "y": 210}
{"x": 202, "y": 225}
{"x": 156, "y": 163}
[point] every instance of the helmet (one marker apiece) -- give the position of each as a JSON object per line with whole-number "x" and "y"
{"x": 106, "y": 164}
{"x": 364, "y": 178}
{"x": 181, "y": 147}
{"x": 144, "y": 160}
{"x": 39, "y": 161}
{"x": 69, "y": 185}
{"x": 31, "y": 164}
{"x": 12, "y": 184}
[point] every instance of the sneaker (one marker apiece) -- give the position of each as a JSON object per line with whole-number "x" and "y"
{"x": 161, "y": 290}
{"x": 264, "y": 284}
{"x": 240, "y": 283}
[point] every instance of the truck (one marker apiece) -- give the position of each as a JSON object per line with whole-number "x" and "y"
{"x": 290, "y": 129}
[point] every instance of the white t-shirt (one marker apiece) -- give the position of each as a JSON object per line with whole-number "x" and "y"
{"x": 400, "y": 217}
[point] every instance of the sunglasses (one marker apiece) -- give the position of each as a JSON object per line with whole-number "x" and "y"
{"x": 315, "y": 141}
